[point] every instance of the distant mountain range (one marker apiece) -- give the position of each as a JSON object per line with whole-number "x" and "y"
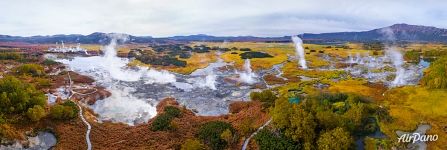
{"x": 94, "y": 38}
{"x": 402, "y": 32}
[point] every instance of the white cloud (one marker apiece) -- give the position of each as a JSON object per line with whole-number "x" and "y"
{"x": 215, "y": 17}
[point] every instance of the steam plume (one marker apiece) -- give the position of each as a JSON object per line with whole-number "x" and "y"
{"x": 247, "y": 76}
{"x": 299, "y": 51}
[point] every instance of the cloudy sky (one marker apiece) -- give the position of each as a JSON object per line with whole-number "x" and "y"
{"x": 160, "y": 18}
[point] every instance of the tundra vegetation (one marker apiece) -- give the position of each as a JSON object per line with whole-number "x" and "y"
{"x": 435, "y": 76}
{"x": 22, "y": 100}
{"x": 163, "y": 122}
{"x": 332, "y": 105}
{"x": 348, "y": 108}
{"x": 314, "y": 122}
{"x": 217, "y": 134}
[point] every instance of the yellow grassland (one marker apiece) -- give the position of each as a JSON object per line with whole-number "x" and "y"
{"x": 357, "y": 86}
{"x": 279, "y": 51}
{"x": 413, "y": 105}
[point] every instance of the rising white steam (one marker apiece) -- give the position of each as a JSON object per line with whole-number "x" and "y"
{"x": 115, "y": 66}
{"x": 396, "y": 58}
{"x": 247, "y": 76}
{"x": 110, "y": 50}
{"x": 207, "y": 77}
{"x": 113, "y": 73}
{"x": 208, "y": 82}
{"x": 299, "y": 50}
{"x": 398, "y": 61}
{"x": 118, "y": 70}
{"x": 210, "y": 79}
{"x": 121, "y": 106}
{"x": 160, "y": 77}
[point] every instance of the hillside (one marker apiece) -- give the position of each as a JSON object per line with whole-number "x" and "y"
{"x": 403, "y": 32}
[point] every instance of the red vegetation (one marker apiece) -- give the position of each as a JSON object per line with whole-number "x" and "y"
{"x": 120, "y": 136}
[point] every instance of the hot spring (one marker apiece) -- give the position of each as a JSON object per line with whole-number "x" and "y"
{"x": 136, "y": 91}
{"x": 386, "y": 69}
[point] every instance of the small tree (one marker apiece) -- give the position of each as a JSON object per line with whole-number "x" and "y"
{"x": 210, "y": 133}
{"x": 267, "y": 97}
{"x": 302, "y": 127}
{"x": 35, "y": 113}
{"x": 163, "y": 122}
{"x": 328, "y": 119}
{"x": 267, "y": 140}
{"x": 297, "y": 123}
{"x": 67, "y": 110}
{"x": 17, "y": 96}
{"x": 281, "y": 113}
{"x": 337, "y": 139}
{"x": 173, "y": 111}
{"x": 227, "y": 136}
{"x": 246, "y": 127}
{"x": 57, "y": 112}
{"x": 192, "y": 144}
{"x": 356, "y": 116}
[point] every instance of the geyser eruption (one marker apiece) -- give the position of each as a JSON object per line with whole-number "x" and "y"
{"x": 110, "y": 50}
{"x": 119, "y": 70}
{"x": 247, "y": 76}
{"x": 117, "y": 67}
{"x": 396, "y": 58}
{"x": 207, "y": 77}
{"x": 299, "y": 50}
{"x": 398, "y": 61}
{"x": 209, "y": 81}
